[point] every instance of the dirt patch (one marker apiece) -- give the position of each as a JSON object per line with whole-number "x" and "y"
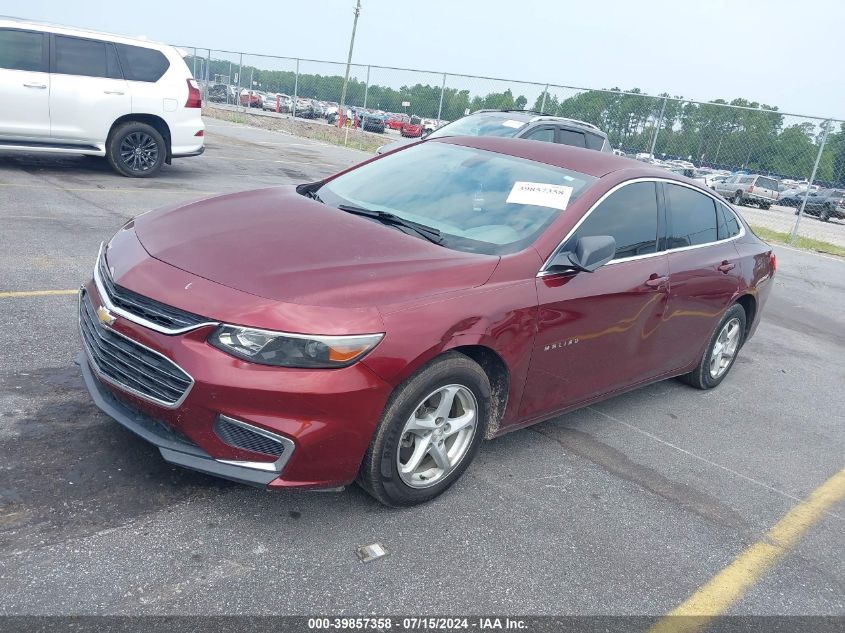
{"x": 356, "y": 139}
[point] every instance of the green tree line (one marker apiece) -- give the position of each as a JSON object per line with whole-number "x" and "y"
{"x": 753, "y": 136}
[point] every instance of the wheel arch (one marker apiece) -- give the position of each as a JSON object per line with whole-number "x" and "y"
{"x": 499, "y": 376}
{"x": 150, "y": 119}
{"x": 749, "y": 304}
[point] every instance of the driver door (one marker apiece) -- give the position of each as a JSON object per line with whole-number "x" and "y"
{"x": 602, "y": 331}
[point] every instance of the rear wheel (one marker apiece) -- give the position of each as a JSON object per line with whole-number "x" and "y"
{"x": 721, "y": 350}
{"x": 136, "y": 150}
{"x": 824, "y": 216}
{"x": 738, "y": 198}
{"x": 765, "y": 206}
{"x": 429, "y": 433}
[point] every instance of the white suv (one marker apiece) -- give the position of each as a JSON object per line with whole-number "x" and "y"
{"x": 67, "y": 90}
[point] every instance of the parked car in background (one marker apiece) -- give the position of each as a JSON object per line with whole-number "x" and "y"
{"x": 520, "y": 124}
{"x": 395, "y": 121}
{"x": 413, "y": 128}
{"x": 750, "y": 188}
{"x": 429, "y": 125}
{"x": 487, "y": 284}
{"x": 824, "y": 203}
{"x": 66, "y": 90}
{"x": 372, "y": 122}
{"x": 251, "y": 99}
{"x": 272, "y": 99}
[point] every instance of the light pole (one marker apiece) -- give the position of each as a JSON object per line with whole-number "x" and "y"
{"x": 341, "y": 109}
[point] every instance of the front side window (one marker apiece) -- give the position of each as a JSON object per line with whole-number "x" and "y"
{"x": 546, "y": 134}
{"x": 629, "y": 215}
{"x": 692, "y": 217}
{"x": 22, "y": 50}
{"x": 142, "y": 64}
{"x": 480, "y": 201}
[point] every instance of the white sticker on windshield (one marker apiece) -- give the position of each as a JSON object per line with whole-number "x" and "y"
{"x": 540, "y": 194}
{"x": 513, "y": 124}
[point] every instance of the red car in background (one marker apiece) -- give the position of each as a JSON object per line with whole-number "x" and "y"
{"x": 395, "y": 121}
{"x": 413, "y": 128}
{"x": 251, "y": 99}
{"x": 376, "y": 326}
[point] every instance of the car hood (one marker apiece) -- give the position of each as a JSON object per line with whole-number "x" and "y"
{"x": 277, "y": 244}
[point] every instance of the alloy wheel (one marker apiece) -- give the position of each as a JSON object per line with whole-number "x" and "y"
{"x": 139, "y": 151}
{"x": 437, "y": 436}
{"x": 725, "y": 348}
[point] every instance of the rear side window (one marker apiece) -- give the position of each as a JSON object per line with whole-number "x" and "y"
{"x": 728, "y": 222}
{"x": 746, "y": 180}
{"x": 594, "y": 141}
{"x": 142, "y": 64}
{"x": 629, "y": 215}
{"x": 767, "y": 183}
{"x": 692, "y": 217}
{"x": 570, "y": 137}
{"x": 22, "y": 50}
{"x": 87, "y": 58}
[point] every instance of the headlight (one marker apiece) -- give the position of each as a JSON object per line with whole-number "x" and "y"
{"x": 292, "y": 350}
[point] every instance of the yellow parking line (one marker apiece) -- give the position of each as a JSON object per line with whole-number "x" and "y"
{"x": 728, "y": 586}
{"x": 35, "y": 293}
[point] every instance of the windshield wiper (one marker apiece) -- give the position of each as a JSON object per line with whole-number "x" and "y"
{"x": 426, "y": 232}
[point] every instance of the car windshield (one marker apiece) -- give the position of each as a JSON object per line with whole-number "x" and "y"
{"x": 480, "y": 201}
{"x": 482, "y": 124}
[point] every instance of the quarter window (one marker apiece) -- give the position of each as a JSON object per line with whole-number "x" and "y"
{"x": 728, "y": 223}
{"x": 629, "y": 215}
{"x": 594, "y": 141}
{"x": 142, "y": 64}
{"x": 692, "y": 217}
{"x": 22, "y": 50}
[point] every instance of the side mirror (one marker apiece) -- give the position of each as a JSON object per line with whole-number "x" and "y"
{"x": 590, "y": 254}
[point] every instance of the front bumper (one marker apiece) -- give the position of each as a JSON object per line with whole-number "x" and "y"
{"x": 328, "y": 416}
{"x": 174, "y": 447}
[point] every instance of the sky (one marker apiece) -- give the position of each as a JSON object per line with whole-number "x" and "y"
{"x": 776, "y": 52}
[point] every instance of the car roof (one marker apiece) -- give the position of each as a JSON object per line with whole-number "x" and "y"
{"x": 60, "y": 29}
{"x": 535, "y": 116}
{"x": 585, "y": 161}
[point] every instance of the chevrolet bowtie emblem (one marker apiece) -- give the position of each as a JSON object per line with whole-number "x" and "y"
{"x": 105, "y": 317}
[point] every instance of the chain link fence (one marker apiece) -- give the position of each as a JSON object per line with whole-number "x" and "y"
{"x": 784, "y": 172}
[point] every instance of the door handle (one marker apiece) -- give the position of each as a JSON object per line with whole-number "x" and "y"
{"x": 113, "y": 92}
{"x": 34, "y": 85}
{"x": 726, "y": 267}
{"x": 656, "y": 281}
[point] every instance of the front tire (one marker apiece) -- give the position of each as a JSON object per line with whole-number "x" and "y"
{"x": 136, "y": 150}
{"x": 721, "y": 350}
{"x": 824, "y": 216}
{"x": 430, "y": 431}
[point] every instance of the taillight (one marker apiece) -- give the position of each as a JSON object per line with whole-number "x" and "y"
{"x": 773, "y": 262}
{"x": 194, "y": 95}
{"x": 750, "y": 189}
{"x": 200, "y": 133}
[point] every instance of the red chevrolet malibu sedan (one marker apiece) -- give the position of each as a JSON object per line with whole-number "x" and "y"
{"x": 378, "y": 325}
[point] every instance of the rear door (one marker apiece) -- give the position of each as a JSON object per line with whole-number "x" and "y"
{"x": 704, "y": 271}
{"x": 24, "y": 85}
{"x": 88, "y": 90}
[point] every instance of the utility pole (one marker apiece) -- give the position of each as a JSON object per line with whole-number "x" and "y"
{"x": 341, "y": 106}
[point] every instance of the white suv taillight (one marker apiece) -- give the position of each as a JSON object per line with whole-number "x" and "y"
{"x": 194, "y": 95}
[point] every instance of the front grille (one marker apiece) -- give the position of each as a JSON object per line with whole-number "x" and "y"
{"x": 240, "y": 436}
{"x": 128, "y": 364}
{"x": 153, "y": 311}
